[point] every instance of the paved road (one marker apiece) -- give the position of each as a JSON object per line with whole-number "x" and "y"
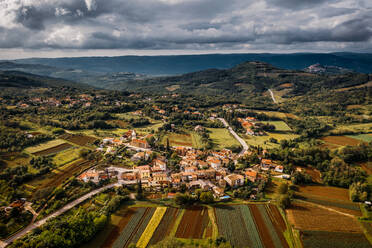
{"x": 241, "y": 141}
{"x": 272, "y": 96}
{"x": 67, "y": 207}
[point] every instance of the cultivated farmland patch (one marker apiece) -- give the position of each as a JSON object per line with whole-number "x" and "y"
{"x": 164, "y": 228}
{"x": 251, "y": 225}
{"x": 193, "y": 223}
{"x": 134, "y": 227}
{"x": 178, "y": 139}
{"x": 53, "y": 150}
{"x": 79, "y": 139}
{"x": 322, "y": 239}
{"x": 341, "y": 140}
{"x": 306, "y": 216}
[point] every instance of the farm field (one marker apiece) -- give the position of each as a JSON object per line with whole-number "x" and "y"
{"x": 251, "y": 225}
{"x": 55, "y": 178}
{"x": 66, "y": 156}
{"x": 78, "y": 139}
{"x": 367, "y": 167}
{"x": 279, "y": 125}
{"x": 276, "y": 114}
{"x": 53, "y": 150}
{"x": 305, "y": 216}
{"x": 264, "y": 140}
{"x": 322, "y": 239}
{"x": 133, "y": 230}
{"x": 367, "y": 137}
{"x": 109, "y": 234}
{"x": 147, "y": 129}
{"x": 44, "y": 146}
{"x": 362, "y": 128}
{"x": 196, "y": 140}
{"x": 242, "y": 225}
{"x": 222, "y": 138}
{"x": 193, "y": 223}
{"x": 165, "y": 226}
{"x": 340, "y": 141}
{"x": 333, "y": 197}
{"x": 176, "y": 139}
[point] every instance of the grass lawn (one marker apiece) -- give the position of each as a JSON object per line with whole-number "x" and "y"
{"x": 222, "y": 138}
{"x": 263, "y": 141}
{"x": 196, "y": 141}
{"x": 279, "y": 125}
{"x": 44, "y": 146}
{"x": 66, "y": 156}
{"x": 128, "y": 116}
{"x": 147, "y": 129}
{"x": 176, "y": 139}
{"x": 276, "y": 114}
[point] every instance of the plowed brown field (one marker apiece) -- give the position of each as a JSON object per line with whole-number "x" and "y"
{"x": 341, "y": 140}
{"x": 193, "y": 223}
{"x": 264, "y": 232}
{"x": 309, "y": 217}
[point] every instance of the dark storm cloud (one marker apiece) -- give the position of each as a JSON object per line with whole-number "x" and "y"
{"x": 184, "y": 24}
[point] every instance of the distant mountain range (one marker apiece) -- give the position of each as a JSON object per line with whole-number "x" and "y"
{"x": 180, "y": 64}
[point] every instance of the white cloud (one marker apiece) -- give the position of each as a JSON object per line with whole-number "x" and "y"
{"x": 91, "y": 5}
{"x": 186, "y": 24}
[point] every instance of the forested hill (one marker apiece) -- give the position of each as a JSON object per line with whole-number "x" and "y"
{"x": 243, "y": 80}
{"x": 26, "y": 80}
{"x": 180, "y": 64}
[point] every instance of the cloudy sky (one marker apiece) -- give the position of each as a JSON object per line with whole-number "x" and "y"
{"x": 52, "y": 28}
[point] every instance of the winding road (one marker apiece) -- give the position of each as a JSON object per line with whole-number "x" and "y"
{"x": 272, "y": 96}
{"x": 241, "y": 141}
{"x": 67, "y": 207}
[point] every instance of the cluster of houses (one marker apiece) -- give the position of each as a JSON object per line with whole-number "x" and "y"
{"x": 131, "y": 139}
{"x": 252, "y": 126}
{"x": 206, "y": 170}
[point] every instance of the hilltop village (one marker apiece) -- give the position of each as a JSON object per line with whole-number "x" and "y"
{"x": 82, "y": 156}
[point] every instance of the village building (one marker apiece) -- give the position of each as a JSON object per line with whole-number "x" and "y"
{"x": 144, "y": 171}
{"x": 129, "y": 135}
{"x": 159, "y": 165}
{"x": 214, "y": 162}
{"x": 279, "y": 168}
{"x": 141, "y": 156}
{"x": 130, "y": 176}
{"x": 140, "y": 143}
{"x": 251, "y": 175}
{"x": 234, "y": 180}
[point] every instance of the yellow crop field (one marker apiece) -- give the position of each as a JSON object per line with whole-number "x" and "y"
{"x": 151, "y": 227}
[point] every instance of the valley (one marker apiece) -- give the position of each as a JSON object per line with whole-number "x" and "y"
{"x": 247, "y": 155}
